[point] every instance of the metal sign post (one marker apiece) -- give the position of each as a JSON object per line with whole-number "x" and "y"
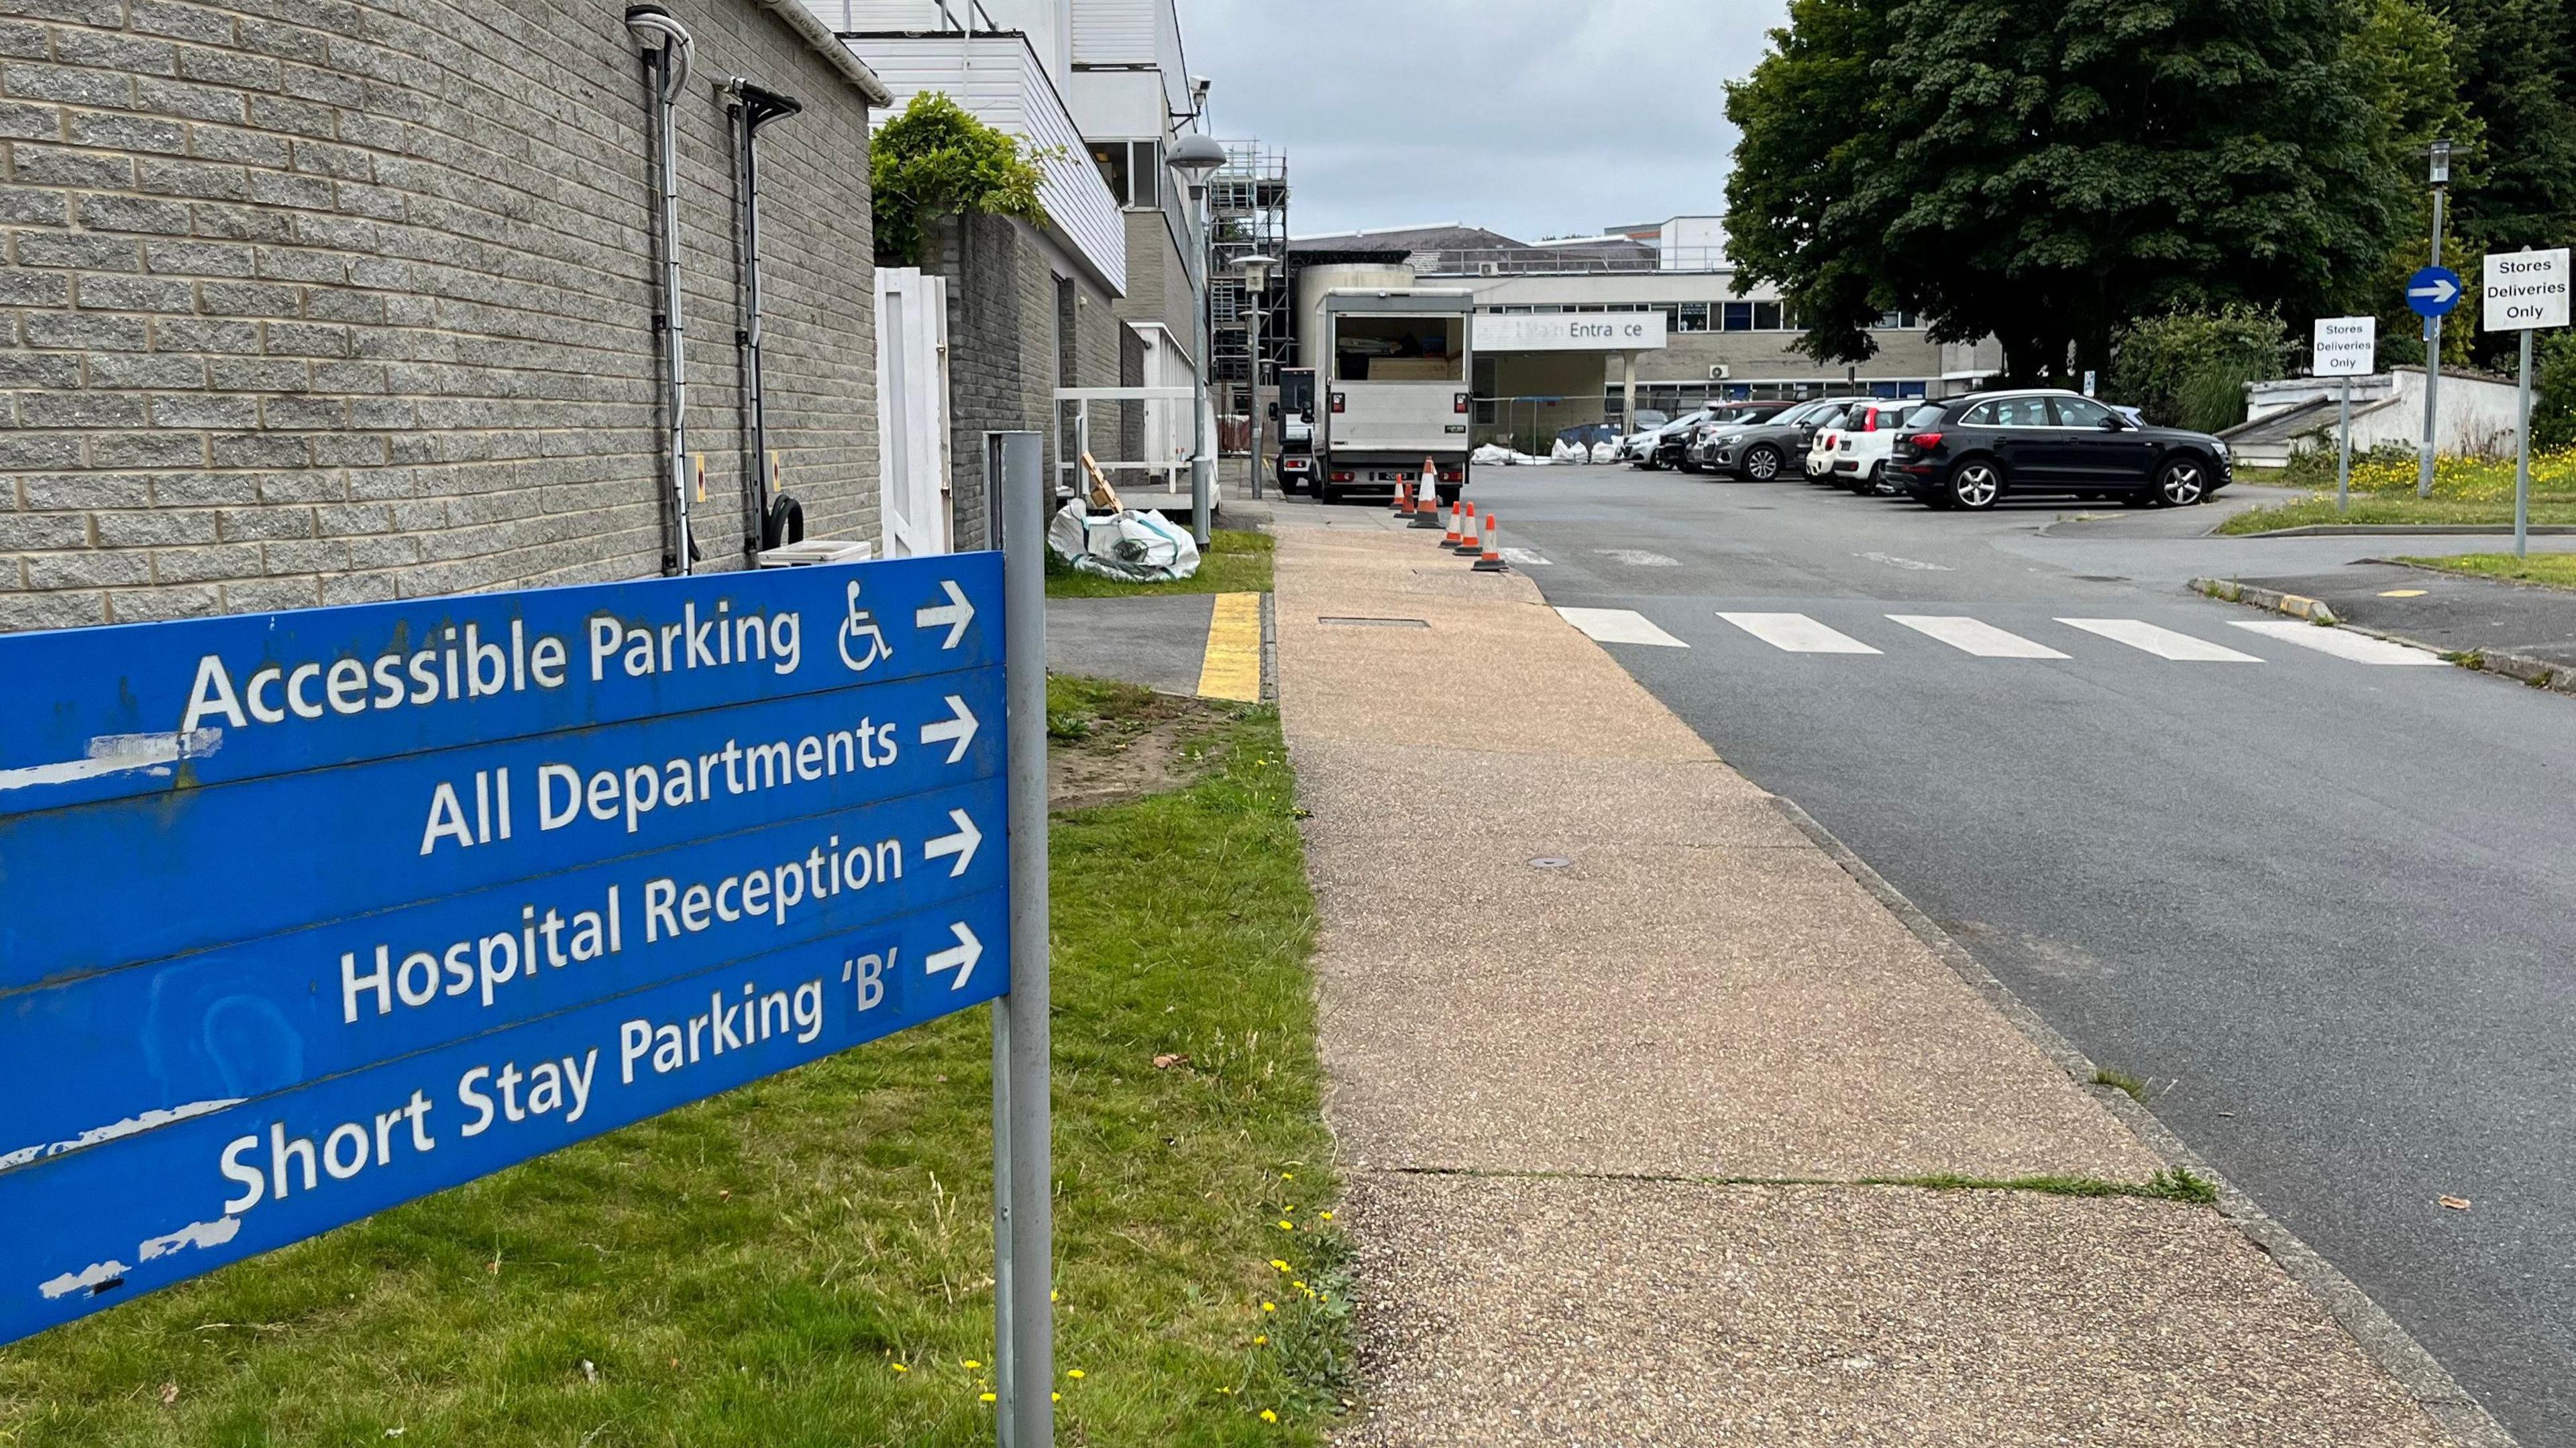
{"x": 1023, "y": 1222}
{"x": 2345, "y": 347}
{"x": 2431, "y": 293}
{"x": 444, "y": 885}
{"x": 2525, "y": 291}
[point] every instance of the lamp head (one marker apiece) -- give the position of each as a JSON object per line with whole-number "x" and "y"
{"x": 2441, "y": 158}
{"x": 1195, "y": 155}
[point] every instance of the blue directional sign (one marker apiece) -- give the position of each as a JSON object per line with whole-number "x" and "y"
{"x": 2434, "y": 291}
{"x": 305, "y": 915}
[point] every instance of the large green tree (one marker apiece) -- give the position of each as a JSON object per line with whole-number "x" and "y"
{"x": 2517, "y": 75}
{"x": 2045, "y": 171}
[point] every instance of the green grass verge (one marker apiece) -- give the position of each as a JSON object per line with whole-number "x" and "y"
{"x": 1236, "y": 561}
{"x": 807, "y": 1261}
{"x": 2555, "y": 570}
{"x": 2376, "y": 508}
{"x": 2465, "y": 490}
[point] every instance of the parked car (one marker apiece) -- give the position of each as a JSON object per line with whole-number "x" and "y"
{"x": 1768, "y": 449}
{"x": 1689, "y": 452}
{"x": 1972, "y": 452}
{"x": 1866, "y": 437}
{"x": 1647, "y": 420}
{"x": 1661, "y": 447}
{"x": 1828, "y": 434}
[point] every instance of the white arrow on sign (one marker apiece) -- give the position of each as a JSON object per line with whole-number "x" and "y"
{"x": 961, "y": 844}
{"x": 2441, "y": 290}
{"x": 960, "y": 957}
{"x": 959, "y": 728}
{"x": 956, "y": 613}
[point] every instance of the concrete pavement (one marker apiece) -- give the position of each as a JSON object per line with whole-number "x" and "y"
{"x": 1619, "y": 1055}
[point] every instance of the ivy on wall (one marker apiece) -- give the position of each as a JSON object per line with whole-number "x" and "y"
{"x": 936, "y": 161}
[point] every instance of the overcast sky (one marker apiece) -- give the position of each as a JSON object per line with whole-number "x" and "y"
{"x": 1532, "y": 117}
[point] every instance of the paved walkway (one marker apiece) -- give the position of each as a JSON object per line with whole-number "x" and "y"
{"x": 1622, "y": 1060}
{"x": 2446, "y": 611}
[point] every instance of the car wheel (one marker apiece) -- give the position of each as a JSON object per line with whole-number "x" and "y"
{"x": 1974, "y": 485}
{"x": 1762, "y": 464}
{"x": 2181, "y": 483}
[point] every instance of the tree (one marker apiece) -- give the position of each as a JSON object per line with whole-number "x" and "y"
{"x": 2189, "y": 369}
{"x": 2404, "y": 60}
{"x": 2517, "y": 77}
{"x": 934, "y": 161}
{"x": 2046, "y": 171}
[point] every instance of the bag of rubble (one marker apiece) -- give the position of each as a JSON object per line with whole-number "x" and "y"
{"x": 1134, "y": 544}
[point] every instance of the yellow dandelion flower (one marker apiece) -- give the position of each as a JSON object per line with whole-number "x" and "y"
{"x": 1229, "y": 1392}
{"x": 971, "y": 1365}
{"x": 1055, "y": 1397}
{"x": 1261, "y": 1340}
{"x": 984, "y": 1397}
{"x": 1327, "y": 1216}
{"x": 898, "y": 1367}
{"x": 1270, "y": 1307}
{"x": 1055, "y": 1296}
{"x": 1275, "y": 1262}
{"x": 1287, "y": 1176}
{"x": 1268, "y": 1416}
{"x": 1300, "y": 1286}
{"x": 1286, "y": 1225}
{"x": 1074, "y": 1373}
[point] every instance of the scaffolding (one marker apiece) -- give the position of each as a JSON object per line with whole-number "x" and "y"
{"x": 1247, "y": 216}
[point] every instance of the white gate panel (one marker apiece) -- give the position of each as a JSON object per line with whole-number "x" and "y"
{"x": 912, "y": 411}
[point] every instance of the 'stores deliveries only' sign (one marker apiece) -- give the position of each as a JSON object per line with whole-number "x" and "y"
{"x": 304, "y": 915}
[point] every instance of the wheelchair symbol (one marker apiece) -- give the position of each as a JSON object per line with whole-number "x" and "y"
{"x": 862, "y": 624}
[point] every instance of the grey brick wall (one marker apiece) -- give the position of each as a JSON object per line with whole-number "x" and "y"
{"x": 1002, "y": 357}
{"x": 320, "y": 301}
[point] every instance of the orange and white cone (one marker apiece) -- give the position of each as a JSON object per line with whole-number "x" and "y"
{"x": 1450, "y": 539}
{"x": 1426, "y": 502}
{"x": 1467, "y": 545}
{"x": 1491, "y": 560}
{"x": 1403, "y": 497}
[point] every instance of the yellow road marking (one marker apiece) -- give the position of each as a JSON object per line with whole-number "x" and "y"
{"x": 2403, "y": 593}
{"x": 1232, "y": 668}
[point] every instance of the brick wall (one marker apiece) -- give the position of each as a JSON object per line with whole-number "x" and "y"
{"x": 1003, "y": 350}
{"x": 320, "y": 301}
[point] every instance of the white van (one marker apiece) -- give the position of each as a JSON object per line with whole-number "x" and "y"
{"x": 1398, "y": 390}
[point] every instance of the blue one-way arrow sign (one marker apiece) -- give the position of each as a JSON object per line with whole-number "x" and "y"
{"x": 2433, "y": 292}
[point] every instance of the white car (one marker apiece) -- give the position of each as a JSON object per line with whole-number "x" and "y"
{"x": 1829, "y": 434}
{"x": 1864, "y": 441}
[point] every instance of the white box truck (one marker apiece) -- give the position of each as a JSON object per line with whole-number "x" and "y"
{"x": 1398, "y": 390}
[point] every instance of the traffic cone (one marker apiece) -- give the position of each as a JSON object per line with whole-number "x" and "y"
{"x": 1426, "y": 506}
{"x": 1467, "y": 545}
{"x": 1403, "y": 497}
{"x": 1491, "y": 560}
{"x": 1450, "y": 539}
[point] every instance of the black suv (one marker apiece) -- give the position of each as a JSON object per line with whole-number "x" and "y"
{"x": 1969, "y": 452}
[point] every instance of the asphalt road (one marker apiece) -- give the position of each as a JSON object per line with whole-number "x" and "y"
{"x": 2326, "y": 907}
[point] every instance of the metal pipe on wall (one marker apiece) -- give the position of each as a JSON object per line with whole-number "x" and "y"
{"x": 753, "y": 107}
{"x": 667, "y": 50}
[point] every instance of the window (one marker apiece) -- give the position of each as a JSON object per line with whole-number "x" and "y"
{"x": 1898, "y": 322}
{"x": 1368, "y": 347}
{"x": 1111, "y": 158}
{"x": 1923, "y": 417}
{"x": 1148, "y": 171}
{"x": 1739, "y": 317}
{"x": 2079, "y": 412}
{"x": 1694, "y": 317}
{"x": 1131, "y": 169}
{"x": 2010, "y": 412}
{"x": 1766, "y": 316}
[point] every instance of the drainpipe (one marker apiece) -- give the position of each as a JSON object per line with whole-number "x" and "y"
{"x": 754, "y": 107}
{"x": 667, "y": 50}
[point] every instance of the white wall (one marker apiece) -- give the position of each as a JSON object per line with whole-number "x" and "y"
{"x": 1048, "y": 23}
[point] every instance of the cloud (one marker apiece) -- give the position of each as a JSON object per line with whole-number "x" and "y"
{"x": 1533, "y": 117}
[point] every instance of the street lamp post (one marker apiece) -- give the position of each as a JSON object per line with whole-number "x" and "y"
{"x": 1194, "y": 156}
{"x": 1256, "y": 281}
{"x": 2441, "y": 179}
